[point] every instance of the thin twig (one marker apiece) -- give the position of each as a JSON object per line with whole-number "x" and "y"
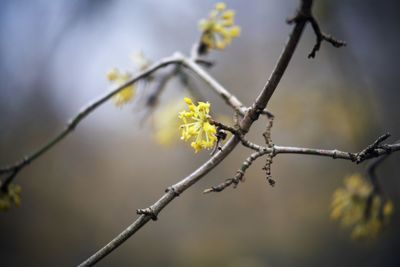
{"x": 322, "y": 37}
{"x": 239, "y": 176}
{"x": 229, "y": 98}
{"x": 336, "y": 154}
{"x": 268, "y": 141}
{"x": 238, "y": 134}
{"x": 274, "y": 150}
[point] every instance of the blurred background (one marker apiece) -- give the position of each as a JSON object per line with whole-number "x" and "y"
{"x": 54, "y": 56}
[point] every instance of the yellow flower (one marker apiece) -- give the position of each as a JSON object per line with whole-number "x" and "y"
{"x": 350, "y": 204}
{"x": 196, "y": 125}
{"x": 118, "y": 78}
{"x": 218, "y": 29}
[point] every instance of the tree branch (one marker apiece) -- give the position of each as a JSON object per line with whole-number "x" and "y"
{"x": 16, "y": 168}
{"x": 229, "y": 98}
{"x": 262, "y": 100}
{"x": 374, "y": 151}
{"x": 239, "y": 176}
{"x": 250, "y": 116}
{"x": 337, "y": 154}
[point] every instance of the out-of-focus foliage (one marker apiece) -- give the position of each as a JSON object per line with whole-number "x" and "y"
{"x": 11, "y": 197}
{"x": 126, "y": 94}
{"x": 166, "y": 123}
{"x": 218, "y": 29}
{"x": 196, "y": 124}
{"x": 342, "y": 114}
{"x": 119, "y": 78}
{"x": 356, "y": 205}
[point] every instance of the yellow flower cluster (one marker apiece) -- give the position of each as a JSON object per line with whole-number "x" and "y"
{"x": 126, "y": 94}
{"x": 12, "y": 196}
{"x": 196, "y": 125}
{"x": 219, "y": 29}
{"x": 350, "y": 204}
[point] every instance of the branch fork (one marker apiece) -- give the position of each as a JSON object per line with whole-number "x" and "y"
{"x": 372, "y": 150}
{"x": 268, "y": 150}
{"x": 320, "y": 36}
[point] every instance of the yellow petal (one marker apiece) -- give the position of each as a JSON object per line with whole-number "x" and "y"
{"x": 229, "y": 14}
{"x": 220, "y": 6}
{"x": 112, "y": 74}
{"x": 234, "y": 31}
{"x": 188, "y": 101}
